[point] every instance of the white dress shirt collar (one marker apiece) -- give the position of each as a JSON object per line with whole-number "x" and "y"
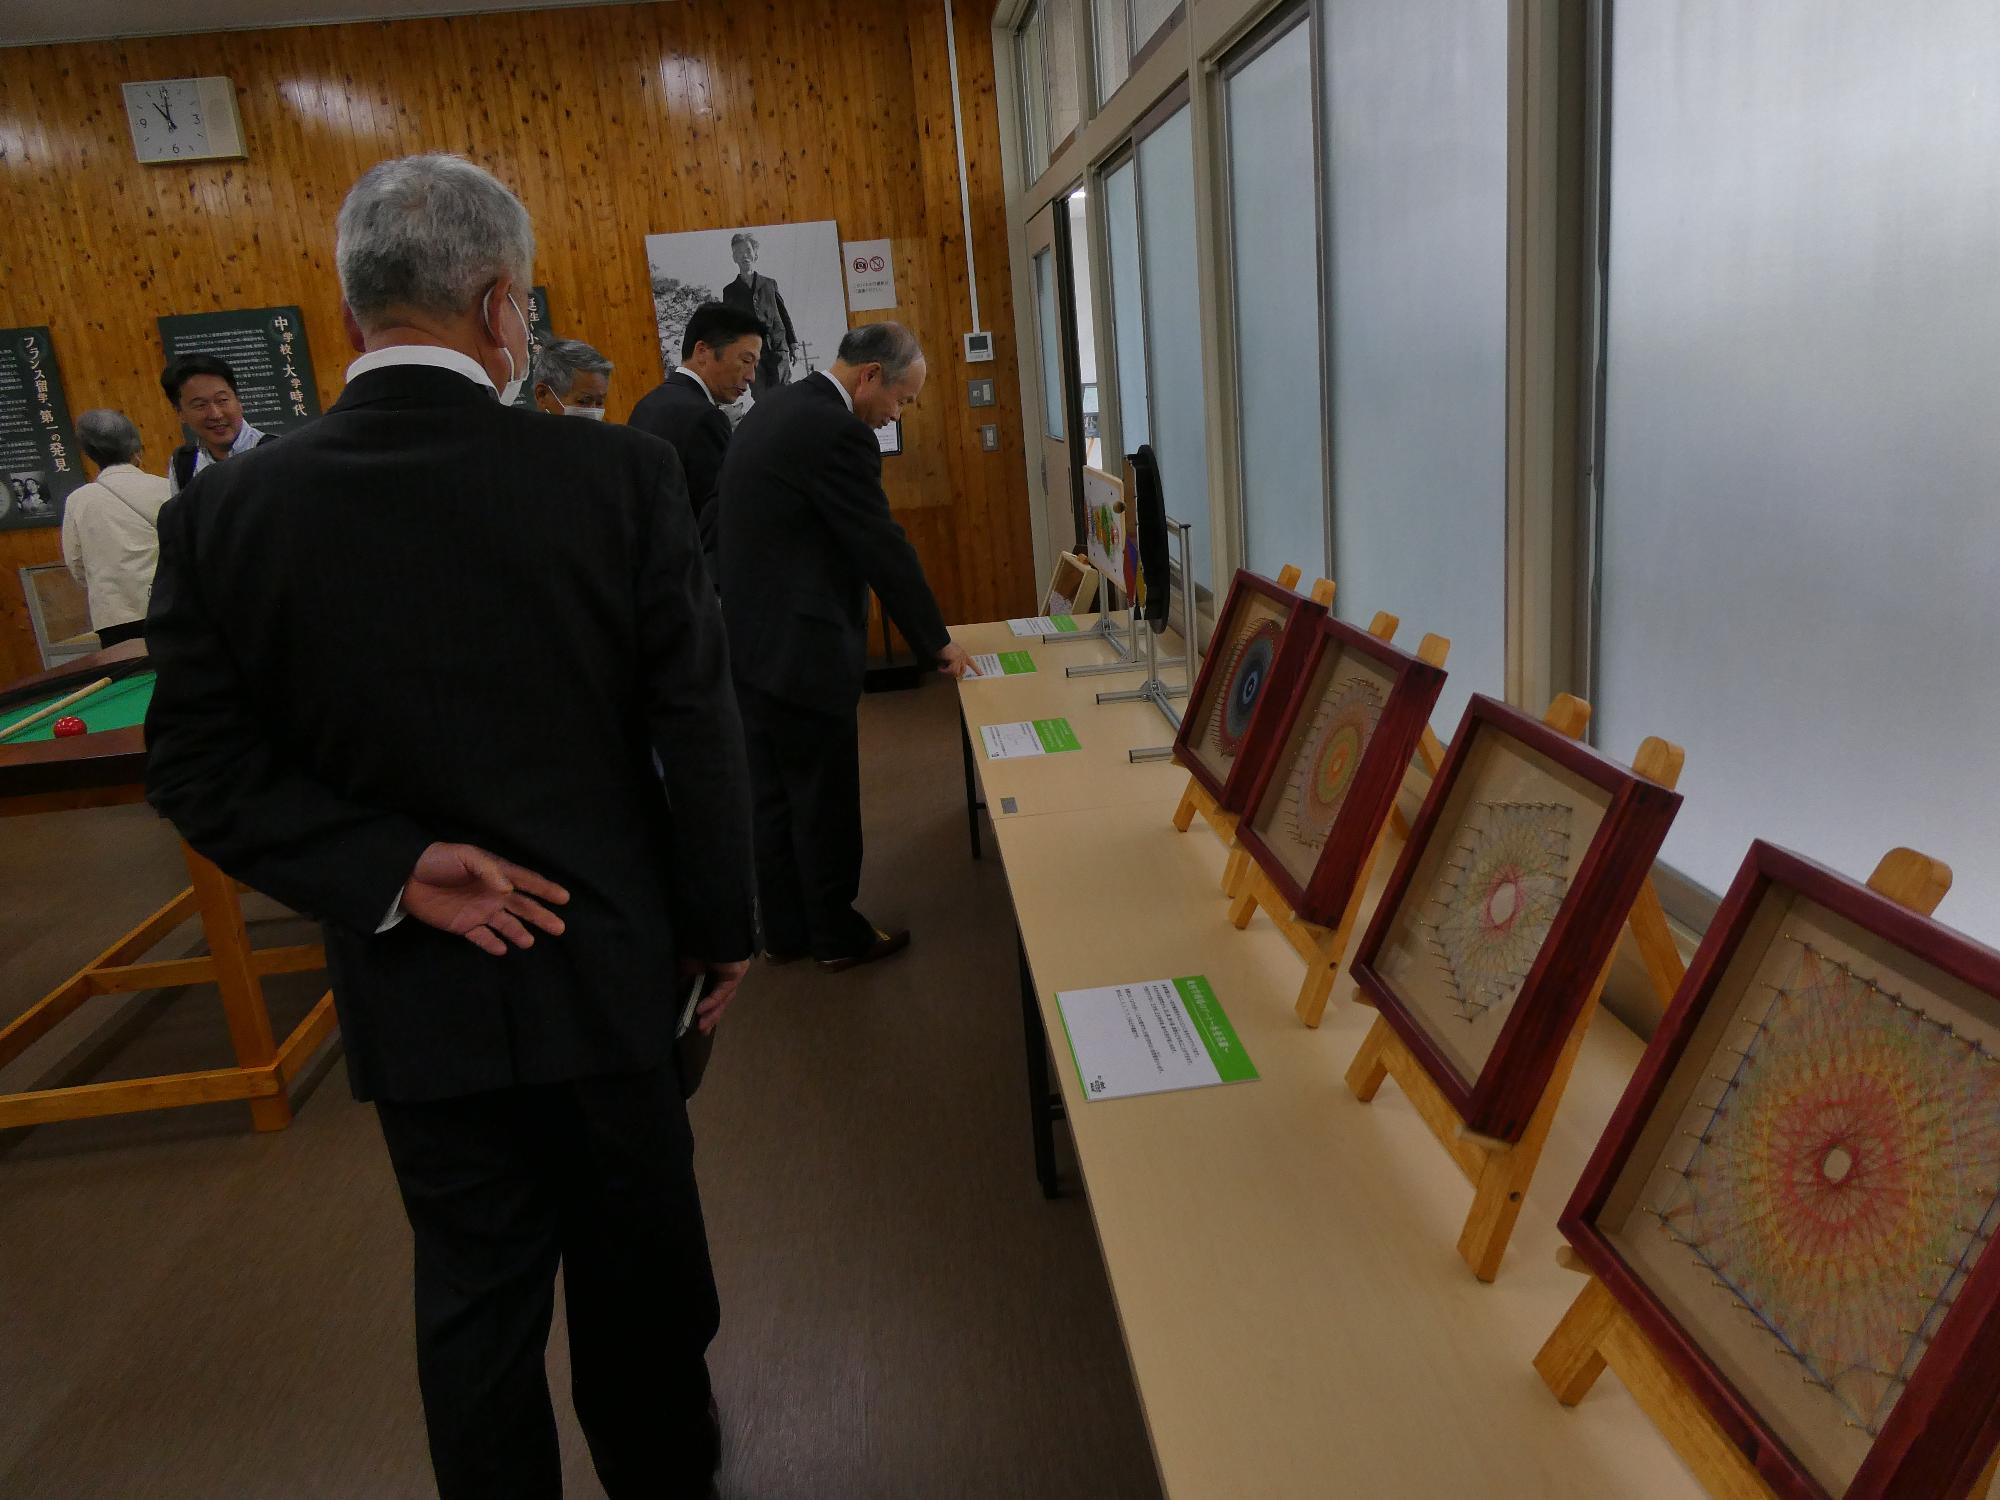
{"x": 435, "y": 356}
{"x": 247, "y": 437}
{"x": 844, "y": 396}
{"x": 684, "y": 370}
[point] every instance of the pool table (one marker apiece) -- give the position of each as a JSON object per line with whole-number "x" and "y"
{"x": 103, "y": 767}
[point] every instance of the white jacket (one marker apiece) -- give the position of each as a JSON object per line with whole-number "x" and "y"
{"x": 111, "y": 541}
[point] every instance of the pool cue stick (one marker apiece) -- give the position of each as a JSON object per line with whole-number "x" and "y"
{"x": 54, "y": 708}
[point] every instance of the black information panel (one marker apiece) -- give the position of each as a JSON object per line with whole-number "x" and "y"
{"x": 266, "y": 347}
{"x": 39, "y": 460}
{"x": 538, "y": 330}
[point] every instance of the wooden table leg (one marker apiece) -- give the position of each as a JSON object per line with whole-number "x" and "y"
{"x": 242, "y": 992}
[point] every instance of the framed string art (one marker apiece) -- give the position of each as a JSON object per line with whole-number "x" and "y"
{"x": 1253, "y": 659}
{"x": 1505, "y": 907}
{"x": 1796, "y": 1198}
{"x": 1344, "y": 735}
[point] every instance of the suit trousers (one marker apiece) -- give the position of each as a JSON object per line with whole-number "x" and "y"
{"x": 595, "y": 1175}
{"x": 805, "y": 778}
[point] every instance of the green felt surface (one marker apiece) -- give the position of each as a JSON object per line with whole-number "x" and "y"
{"x": 120, "y": 706}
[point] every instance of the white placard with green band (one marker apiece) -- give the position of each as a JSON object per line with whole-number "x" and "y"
{"x": 1151, "y": 1038}
{"x": 1044, "y": 625}
{"x": 991, "y": 664}
{"x": 1028, "y": 737}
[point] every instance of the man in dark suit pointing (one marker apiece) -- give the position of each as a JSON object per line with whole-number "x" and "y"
{"x": 719, "y": 354}
{"x": 805, "y": 533}
{"x": 402, "y": 692}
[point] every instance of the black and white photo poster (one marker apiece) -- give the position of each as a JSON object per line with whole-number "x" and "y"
{"x": 788, "y": 275}
{"x": 39, "y": 462}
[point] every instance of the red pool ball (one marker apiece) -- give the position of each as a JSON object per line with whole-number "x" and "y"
{"x": 69, "y": 725}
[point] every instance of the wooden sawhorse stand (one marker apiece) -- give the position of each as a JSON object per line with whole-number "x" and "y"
{"x": 1324, "y": 948}
{"x": 264, "y": 1067}
{"x": 1597, "y": 1332}
{"x": 1500, "y": 1171}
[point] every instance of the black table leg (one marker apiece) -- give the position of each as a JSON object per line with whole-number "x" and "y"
{"x": 1045, "y": 1105}
{"x": 973, "y": 806}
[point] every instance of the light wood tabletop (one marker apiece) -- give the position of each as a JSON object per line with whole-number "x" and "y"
{"x": 1282, "y": 1255}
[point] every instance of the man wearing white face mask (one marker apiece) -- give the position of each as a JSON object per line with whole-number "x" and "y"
{"x": 571, "y": 379}
{"x": 490, "y": 743}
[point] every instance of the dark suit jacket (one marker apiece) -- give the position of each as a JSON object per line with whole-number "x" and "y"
{"x": 184, "y": 457}
{"x": 429, "y": 616}
{"x": 804, "y": 533}
{"x": 679, "y": 410}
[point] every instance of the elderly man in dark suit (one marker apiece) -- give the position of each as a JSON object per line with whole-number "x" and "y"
{"x": 403, "y": 693}
{"x": 719, "y": 354}
{"x": 805, "y": 533}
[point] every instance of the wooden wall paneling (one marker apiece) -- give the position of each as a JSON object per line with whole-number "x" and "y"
{"x": 611, "y": 122}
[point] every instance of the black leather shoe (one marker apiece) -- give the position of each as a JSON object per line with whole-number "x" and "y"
{"x": 782, "y": 958}
{"x": 885, "y": 945}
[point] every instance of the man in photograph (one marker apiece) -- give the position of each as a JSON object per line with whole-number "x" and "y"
{"x": 719, "y": 355}
{"x": 757, "y": 294}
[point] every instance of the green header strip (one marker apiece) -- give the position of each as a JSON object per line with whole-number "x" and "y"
{"x": 1225, "y": 1050}
{"x": 1065, "y": 624}
{"x": 1055, "y": 734}
{"x": 1013, "y": 663}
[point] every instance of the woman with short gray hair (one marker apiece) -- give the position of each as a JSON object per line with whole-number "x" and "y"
{"x": 110, "y": 535}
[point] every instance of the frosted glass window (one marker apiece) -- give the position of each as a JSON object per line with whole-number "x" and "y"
{"x": 1275, "y": 265}
{"x": 1086, "y": 324}
{"x": 1801, "y": 463}
{"x": 1148, "y": 16}
{"x": 1050, "y": 329}
{"x": 1128, "y": 333}
{"x": 1416, "y": 221}
{"x": 1059, "y": 37}
{"x": 1032, "y": 65}
{"x": 1111, "y": 46}
{"x": 1175, "y": 378}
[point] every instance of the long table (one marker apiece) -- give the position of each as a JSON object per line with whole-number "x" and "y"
{"x": 1282, "y": 1256}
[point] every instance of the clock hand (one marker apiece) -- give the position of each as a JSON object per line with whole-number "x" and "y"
{"x": 167, "y": 115}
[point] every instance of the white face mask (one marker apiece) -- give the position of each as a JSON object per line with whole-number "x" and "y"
{"x": 516, "y": 377}
{"x": 588, "y": 413}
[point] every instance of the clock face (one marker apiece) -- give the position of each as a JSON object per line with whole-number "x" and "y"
{"x": 168, "y": 120}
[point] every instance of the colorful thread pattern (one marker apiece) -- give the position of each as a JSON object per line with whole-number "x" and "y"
{"x": 1495, "y": 900}
{"x": 1317, "y": 787}
{"x": 1846, "y": 1179}
{"x": 1242, "y": 684}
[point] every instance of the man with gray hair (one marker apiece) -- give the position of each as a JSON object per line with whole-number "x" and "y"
{"x": 571, "y": 379}
{"x": 491, "y": 744}
{"x": 110, "y": 535}
{"x": 804, "y": 533}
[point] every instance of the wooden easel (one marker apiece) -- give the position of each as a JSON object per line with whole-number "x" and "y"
{"x": 264, "y": 1067}
{"x": 1500, "y": 1171}
{"x": 1321, "y": 947}
{"x": 1597, "y": 1332}
{"x": 1197, "y": 798}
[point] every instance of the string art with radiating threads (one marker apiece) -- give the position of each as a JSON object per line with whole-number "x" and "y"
{"x": 1243, "y": 679}
{"x": 1316, "y": 789}
{"x": 1846, "y": 1178}
{"x": 1495, "y": 899}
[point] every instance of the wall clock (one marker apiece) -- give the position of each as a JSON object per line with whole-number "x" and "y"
{"x": 183, "y": 119}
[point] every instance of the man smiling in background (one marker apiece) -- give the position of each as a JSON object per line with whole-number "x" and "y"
{"x": 202, "y": 391}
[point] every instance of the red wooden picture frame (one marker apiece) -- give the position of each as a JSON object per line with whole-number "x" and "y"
{"x": 1944, "y": 1426}
{"x": 1232, "y": 791}
{"x": 1580, "y": 939}
{"x": 1376, "y": 778}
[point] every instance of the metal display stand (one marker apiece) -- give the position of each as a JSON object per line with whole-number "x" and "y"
{"x": 1119, "y": 637}
{"x": 1153, "y": 690}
